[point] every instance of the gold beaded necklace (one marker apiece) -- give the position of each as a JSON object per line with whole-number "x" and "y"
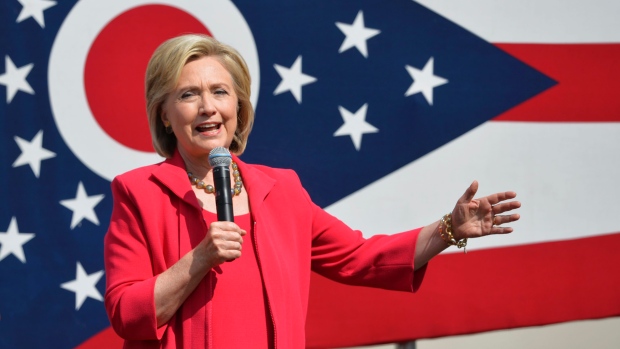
{"x": 209, "y": 189}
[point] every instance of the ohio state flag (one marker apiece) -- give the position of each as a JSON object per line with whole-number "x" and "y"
{"x": 387, "y": 111}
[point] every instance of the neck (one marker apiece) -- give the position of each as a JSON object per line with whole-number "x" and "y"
{"x": 198, "y": 165}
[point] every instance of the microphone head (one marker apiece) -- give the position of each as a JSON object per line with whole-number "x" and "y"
{"x": 220, "y": 156}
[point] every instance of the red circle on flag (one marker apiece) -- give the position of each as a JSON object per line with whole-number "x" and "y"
{"x": 116, "y": 65}
{"x": 99, "y": 109}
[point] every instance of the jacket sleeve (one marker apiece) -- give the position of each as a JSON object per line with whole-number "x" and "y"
{"x": 344, "y": 255}
{"x": 130, "y": 281}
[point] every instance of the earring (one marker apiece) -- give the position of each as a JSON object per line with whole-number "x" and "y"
{"x": 168, "y": 127}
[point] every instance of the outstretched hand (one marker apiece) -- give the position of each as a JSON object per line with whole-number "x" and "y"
{"x": 473, "y": 218}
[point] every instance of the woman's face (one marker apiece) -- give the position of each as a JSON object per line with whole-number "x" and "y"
{"x": 202, "y": 108}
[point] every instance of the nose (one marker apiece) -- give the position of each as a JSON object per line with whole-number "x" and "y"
{"x": 207, "y": 107}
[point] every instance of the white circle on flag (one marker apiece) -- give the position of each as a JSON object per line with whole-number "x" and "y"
{"x": 76, "y": 124}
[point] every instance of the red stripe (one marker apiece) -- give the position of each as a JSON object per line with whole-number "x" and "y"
{"x": 587, "y": 89}
{"x": 105, "y": 339}
{"x": 484, "y": 290}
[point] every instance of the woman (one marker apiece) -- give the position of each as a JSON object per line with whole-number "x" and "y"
{"x": 168, "y": 281}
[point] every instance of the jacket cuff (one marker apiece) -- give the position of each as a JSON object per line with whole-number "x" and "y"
{"x": 136, "y": 309}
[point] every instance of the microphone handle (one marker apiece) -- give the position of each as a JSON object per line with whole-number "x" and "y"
{"x": 223, "y": 195}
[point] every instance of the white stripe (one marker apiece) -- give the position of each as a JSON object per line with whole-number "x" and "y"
{"x": 565, "y": 175}
{"x": 534, "y": 21}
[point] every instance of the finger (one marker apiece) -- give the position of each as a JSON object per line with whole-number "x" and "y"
{"x": 221, "y": 238}
{"x": 502, "y": 219}
{"x": 234, "y": 237}
{"x": 506, "y": 206}
{"x": 235, "y": 251}
{"x": 231, "y": 255}
{"x": 227, "y": 226}
{"x": 469, "y": 194}
{"x": 227, "y": 242}
{"x": 229, "y": 250}
{"x": 499, "y": 197}
{"x": 501, "y": 230}
{"x": 233, "y": 246}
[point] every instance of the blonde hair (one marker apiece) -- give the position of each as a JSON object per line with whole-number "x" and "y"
{"x": 162, "y": 75}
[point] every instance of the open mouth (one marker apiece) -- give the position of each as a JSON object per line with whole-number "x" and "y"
{"x": 208, "y": 127}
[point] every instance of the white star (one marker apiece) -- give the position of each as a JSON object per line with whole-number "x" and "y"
{"x": 292, "y": 79}
{"x": 84, "y": 286}
{"x": 356, "y": 34}
{"x": 424, "y": 81}
{"x": 34, "y": 9}
{"x": 32, "y": 153}
{"x": 13, "y": 241}
{"x": 355, "y": 125}
{"x": 15, "y": 79}
{"x": 83, "y": 206}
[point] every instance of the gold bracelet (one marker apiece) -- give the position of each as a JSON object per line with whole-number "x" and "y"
{"x": 445, "y": 231}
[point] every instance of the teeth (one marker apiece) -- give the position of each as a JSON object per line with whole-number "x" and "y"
{"x": 207, "y": 127}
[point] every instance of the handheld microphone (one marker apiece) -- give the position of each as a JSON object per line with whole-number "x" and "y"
{"x": 220, "y": 160}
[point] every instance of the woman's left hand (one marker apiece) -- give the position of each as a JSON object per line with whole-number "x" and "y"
{"x": 473, "y": 218}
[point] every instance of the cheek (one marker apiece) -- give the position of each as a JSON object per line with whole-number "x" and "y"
{"x": 235, "y": 119}
{"x": 231, "y": 113}
{"x": 182, "y": 114}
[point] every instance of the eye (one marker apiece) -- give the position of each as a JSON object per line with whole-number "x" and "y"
{"x": 220, "y": 91}
{"x": 187, "y": 94}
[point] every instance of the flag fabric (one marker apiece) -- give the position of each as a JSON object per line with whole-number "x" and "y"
{"x": 387, "y": 110}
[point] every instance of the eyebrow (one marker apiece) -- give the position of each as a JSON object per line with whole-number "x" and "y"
{"x": 194, "y": 86}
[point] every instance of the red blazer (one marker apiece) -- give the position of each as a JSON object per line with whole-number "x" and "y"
{"x": 157, "y": 219}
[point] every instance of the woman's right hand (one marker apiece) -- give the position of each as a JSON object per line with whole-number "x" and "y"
{"x": 223, "y": 243}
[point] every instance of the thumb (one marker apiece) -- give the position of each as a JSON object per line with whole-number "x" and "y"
{"x": 469, "y": 194}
